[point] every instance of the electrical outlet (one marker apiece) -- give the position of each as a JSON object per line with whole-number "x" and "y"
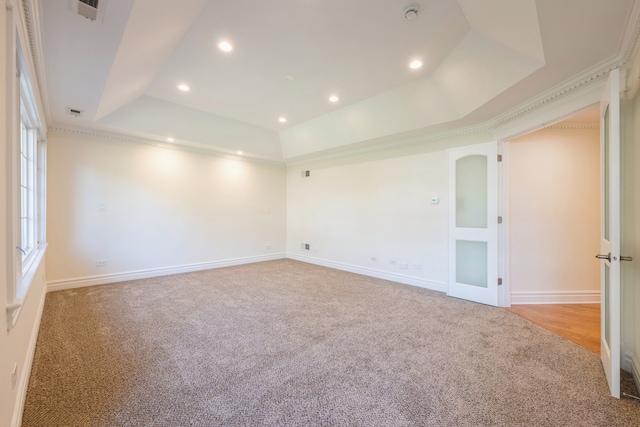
{"x": 416, "y": 266}
{"x": 307, "y": 246}
{"x": 101, "y": 263}
{"x": 374, "y": 259}
{"x": 403, "y": 265}
{"x": 14, "y": 376}
{"x": 393, "y": 262}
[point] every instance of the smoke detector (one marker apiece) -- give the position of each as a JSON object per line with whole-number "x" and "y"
{"x": 411, "y": 11}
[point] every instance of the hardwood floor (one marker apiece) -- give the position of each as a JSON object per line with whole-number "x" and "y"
{"x": 579, "y": 323}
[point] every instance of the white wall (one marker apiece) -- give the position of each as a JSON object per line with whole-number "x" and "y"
{"x": 354, "y": 209}
{"x": 554, "y": 209}
{"x": 164, "y": 208}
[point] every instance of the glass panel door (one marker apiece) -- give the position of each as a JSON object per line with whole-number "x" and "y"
{"x": 473, "y": 232}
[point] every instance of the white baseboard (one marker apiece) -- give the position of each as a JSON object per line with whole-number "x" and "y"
{"x": 23, "y": 381}
{"x": 81, "y": 282}
{"x": 556, "y": 297}
{"x": 407, "y": 280}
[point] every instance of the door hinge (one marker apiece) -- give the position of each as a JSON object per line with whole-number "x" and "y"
{"x": 499, "y": 220}
{"x": 499, "y": 281}
{"x": 499, "y": 157}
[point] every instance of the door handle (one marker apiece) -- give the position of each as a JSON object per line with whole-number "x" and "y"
{"x": 607, "y": 257}
{"x": 626, "y": 258}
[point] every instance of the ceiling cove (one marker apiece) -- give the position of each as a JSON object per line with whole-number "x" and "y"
{"x": 483, "y": 66}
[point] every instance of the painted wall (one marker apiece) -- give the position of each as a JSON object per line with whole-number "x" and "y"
{"x": 372, "y": 214}
{"x": 555, "y": 215}
{"x": 630, "y": 238}
{"x": 162, "y": 208}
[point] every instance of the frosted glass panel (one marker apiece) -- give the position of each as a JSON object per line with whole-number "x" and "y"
{"x": 607, "y": 315}
{"x": 606, "y": 172}
{"x": 471, "y": 192}
{"x": 471, "y": 263}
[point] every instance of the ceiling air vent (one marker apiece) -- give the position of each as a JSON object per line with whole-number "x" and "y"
{"x": 75, "y": 112}
{"x": 90, "y": 9}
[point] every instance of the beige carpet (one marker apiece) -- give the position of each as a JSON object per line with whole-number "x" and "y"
{"x": 284, "y": 343}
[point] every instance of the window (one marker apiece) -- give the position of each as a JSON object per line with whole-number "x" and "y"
{"x": 27, "y": 177}
{"x": 31, "y": 178}
{"x": 29, "y": 239}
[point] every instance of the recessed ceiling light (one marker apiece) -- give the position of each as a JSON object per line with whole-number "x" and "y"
{"x": 225, "y": 46}
{"x": 170, "y": 139}
{"x": 282, "y": 120}
{"x": 415, "y": 64}
{"x": 334, "y": 98}
{"x": 239, "y": 153}
{"x": 289, "y": 77}
{"x": 183, "y": 87}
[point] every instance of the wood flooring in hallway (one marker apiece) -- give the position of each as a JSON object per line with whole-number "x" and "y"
{"x": 579, "y": 323}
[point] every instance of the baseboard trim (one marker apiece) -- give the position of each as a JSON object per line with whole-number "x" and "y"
{"x": 556, "y": 297}
{"x": 23, "y": 383}
{"x": 407, "y": 280}
{"x": 81, "y": 282}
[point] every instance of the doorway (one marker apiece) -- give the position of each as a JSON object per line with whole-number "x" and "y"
{"x": 554, "y": 205}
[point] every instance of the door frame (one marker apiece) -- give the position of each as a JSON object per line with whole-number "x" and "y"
{"x": 589, "y": 98}
{"x": 561, "y": 110}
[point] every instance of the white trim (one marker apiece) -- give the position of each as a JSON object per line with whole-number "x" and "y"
{"x": 25, "y": 374}
{"x": 81, "y": 282}
{"x": 556, "y": 297}
{"x": 379, "y": 274}
{"x": 504, "y": 231}
{"x": 15, "y": 307}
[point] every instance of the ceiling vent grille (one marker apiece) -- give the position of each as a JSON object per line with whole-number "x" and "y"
{"x": 90, "y": 9}
{"x": 75, "y": 112}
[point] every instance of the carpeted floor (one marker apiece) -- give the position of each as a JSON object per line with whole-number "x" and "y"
{"x": 284, "y": 343}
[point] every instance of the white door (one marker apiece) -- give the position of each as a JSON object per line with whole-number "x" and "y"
{"x": 610, "y": 232}
{"x": 473, "y": 222}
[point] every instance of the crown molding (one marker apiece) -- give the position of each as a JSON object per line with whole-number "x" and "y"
{"x": 33, "y": 31}
{"x": 630, "y": 42}
{"x": 573, "y": 126}
{"x": 197, "y": 150}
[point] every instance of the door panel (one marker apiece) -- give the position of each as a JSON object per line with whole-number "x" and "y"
{"x": 610, "y": 232}
{"x": 473, "y": 222}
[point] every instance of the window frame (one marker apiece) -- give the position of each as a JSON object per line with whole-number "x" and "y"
{"x": 27, "y": 178}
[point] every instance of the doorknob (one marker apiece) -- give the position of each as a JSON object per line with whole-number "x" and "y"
{"x": 607, "y": 257}
{"x": 625, "y": 258}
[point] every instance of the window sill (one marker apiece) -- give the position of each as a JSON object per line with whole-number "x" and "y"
{"x": 14, "y": 308}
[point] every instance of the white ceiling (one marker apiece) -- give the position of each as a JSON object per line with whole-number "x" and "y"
{"x": 481, "y": 58}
